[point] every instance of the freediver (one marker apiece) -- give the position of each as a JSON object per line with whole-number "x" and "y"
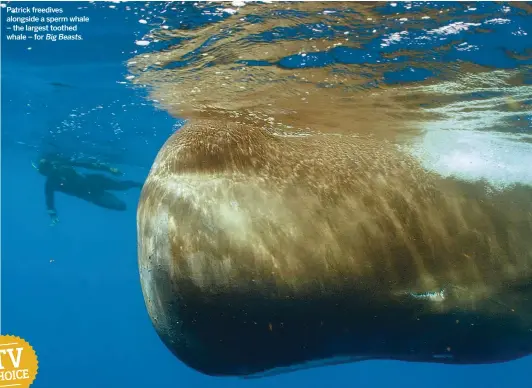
{"x": 62, "y": 176}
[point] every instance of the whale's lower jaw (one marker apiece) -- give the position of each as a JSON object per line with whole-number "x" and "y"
{"x": 256, "y": 335}
{"x": 256, "y": 348}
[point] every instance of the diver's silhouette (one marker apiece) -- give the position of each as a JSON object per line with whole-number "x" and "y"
{"x": 62, "y": 176}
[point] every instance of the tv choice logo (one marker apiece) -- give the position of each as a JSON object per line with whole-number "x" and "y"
{"x": 18, "y": 362}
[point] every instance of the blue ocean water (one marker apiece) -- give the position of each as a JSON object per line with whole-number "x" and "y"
{"x": 72, "y": 290}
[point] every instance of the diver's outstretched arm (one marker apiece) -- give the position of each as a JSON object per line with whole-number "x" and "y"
{"x": 49, "y": 192}
{"x": 95, "y": 166}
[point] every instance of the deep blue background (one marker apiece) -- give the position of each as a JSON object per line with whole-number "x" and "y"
{"x": 73, "y": 290}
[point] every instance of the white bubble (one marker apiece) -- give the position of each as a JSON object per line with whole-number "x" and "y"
{"x": 498, "y": 158}
{"x": 453, "y": 28}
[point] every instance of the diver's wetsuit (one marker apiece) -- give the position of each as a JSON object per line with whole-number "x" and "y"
{"x": 61, "y": 176}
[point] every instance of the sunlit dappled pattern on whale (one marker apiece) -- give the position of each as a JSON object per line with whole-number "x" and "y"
{"x": 351, "y": 183}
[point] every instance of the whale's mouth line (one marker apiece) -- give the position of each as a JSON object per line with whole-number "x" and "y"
{"x": 334, "y": 361}
{"x": 307, "y": 365}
